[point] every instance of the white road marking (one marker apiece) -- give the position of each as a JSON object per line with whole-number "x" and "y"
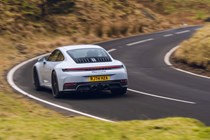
{"x": 111, "y": 50}
{"x": 167, "y": 61}
{"x": 167, "y": 56}
{"x": 182, "y": 32}
{"x": 161, "y": 97}
{"x": 202, "y": 76}
{"x": 14, "y": 86}
{"x": 168, "y": 35}
{"x": 138, "y": 42}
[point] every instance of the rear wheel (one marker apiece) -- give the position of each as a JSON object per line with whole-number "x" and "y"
{"x": 55, "y": 90}
{"x": 120, "y": 91}
{"x": 36, "y": 80}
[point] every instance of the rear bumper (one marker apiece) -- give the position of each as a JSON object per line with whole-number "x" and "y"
{"x": 95, "y": 86}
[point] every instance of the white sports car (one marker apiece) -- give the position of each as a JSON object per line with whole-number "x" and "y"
{"x": 80, "y": 68}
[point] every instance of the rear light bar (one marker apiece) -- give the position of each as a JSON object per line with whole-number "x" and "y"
{"x": 93, "y": 68}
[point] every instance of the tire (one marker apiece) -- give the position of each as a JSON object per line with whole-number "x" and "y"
{"x": 36, "y": 80}
{"x": 55, "y": 90}
{"x": 119, "y": 91}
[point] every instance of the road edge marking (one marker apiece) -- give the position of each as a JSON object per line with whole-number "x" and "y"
{"x": 167, "y": 62}
{"x": 161, "y": 97}
{"x": 11, "y": 82}
{"x": 168, "y": 55}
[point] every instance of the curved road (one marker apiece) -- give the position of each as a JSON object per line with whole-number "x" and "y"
{"x": 156, "y": 90}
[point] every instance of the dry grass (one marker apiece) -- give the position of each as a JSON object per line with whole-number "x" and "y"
{"x": 195, "y": 52}
{"x": 185, "y": 11}
{"x": 101, "y": 18}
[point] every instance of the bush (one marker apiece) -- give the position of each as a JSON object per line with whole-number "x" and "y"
{"x": 195, "y": 52}
{"x": 49, "y": 7}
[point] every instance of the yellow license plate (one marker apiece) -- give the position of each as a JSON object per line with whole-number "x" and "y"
{"x": 99, "y": 78}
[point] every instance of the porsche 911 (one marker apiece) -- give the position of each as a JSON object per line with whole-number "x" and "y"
{"x": 80, "y": 68}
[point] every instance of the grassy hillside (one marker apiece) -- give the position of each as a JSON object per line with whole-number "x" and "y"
{"x": 66, "y": 17}
{"x": 195, "y": 52}
{"x": 187, "y": 11}
{"x": 29, "y": 28}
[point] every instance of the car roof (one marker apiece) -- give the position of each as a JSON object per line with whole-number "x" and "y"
{"x": 72, "y": 47}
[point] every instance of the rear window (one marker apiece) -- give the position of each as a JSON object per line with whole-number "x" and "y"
{"x": 89, "y": 52}
{"x": 89, "y": 55}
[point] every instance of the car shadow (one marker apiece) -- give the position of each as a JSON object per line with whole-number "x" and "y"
{"x": 86, "y": 95}
{"x": 90, "y": 95}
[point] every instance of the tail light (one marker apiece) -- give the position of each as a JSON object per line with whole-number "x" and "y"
{"x": 124, "y": 82}
{"x": 93, "y": 68}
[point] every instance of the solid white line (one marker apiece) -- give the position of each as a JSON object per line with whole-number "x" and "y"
{"x": 12, "y": 83}
{"x": 138, "y": 42}
{"x": 167, "y": 56}
{"x": 168, "y": 35}
{"x": 182, "y": 32}
{"x": 187, "y": 72}
{"x": 111, "y": 50}
{"x": 161, "y": 97}
{"x": 167, "y": 61}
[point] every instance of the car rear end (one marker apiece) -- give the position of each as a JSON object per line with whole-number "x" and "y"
{"x": 94, "y": 78}
{"x": 93, "y": 69}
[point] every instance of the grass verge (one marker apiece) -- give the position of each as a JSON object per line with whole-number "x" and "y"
{"x": 44, "y": 128}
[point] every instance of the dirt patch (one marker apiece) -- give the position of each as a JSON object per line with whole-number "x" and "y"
{"x": 186, "y": 67}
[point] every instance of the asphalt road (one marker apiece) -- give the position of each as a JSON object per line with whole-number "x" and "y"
{"x": 156, "y": 90}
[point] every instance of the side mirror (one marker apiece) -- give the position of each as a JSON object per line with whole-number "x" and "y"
{"x": 42, "y": 59}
